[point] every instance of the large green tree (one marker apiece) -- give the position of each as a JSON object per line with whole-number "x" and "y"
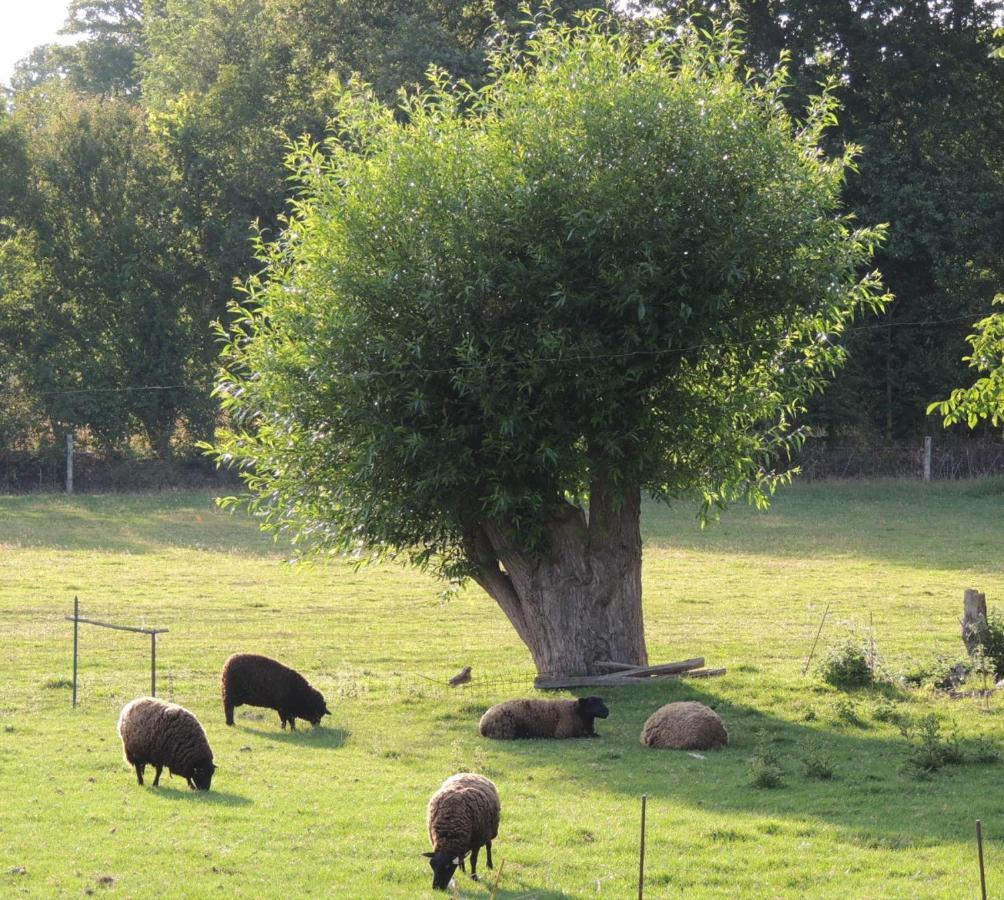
{"x": 924, "y": 97}
{"x": 494, "y": 323}
{"x": 99, "y": 299}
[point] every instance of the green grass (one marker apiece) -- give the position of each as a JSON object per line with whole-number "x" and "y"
{"x": 340, "y": 812}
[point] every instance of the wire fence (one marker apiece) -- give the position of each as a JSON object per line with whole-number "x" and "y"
{"x": 36, "y": 652}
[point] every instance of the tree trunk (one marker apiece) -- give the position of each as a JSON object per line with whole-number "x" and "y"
{"x": 581, "y": 602}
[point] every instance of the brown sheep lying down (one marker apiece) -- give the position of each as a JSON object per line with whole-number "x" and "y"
{"x": 259, "y": 681}
{"x": 166, "y": 735}
{"x": 543, "y": 718}
{"x": 463, "y": 817}
{"x": 685, "y": 725}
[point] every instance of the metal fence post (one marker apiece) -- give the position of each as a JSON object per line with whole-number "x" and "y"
{"x": 76, "y": 629}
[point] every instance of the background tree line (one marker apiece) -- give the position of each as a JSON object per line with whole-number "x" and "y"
{"x": 134, "y": 162}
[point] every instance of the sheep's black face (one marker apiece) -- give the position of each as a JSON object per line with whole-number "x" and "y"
{"x": 202, "y": 775}
{"x": 443, "y": 867}
{"x": 316, "y": 710}
{"x": 594, "y": 707}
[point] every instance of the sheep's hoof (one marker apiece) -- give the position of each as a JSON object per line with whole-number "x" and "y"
{"x": 474, "y": 876}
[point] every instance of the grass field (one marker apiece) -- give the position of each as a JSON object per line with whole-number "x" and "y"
{"x": 340, "y": 811}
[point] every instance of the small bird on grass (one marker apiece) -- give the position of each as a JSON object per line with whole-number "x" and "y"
{"x": 462, "y": 677}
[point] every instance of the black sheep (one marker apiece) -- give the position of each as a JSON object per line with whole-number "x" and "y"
{"x": 259, "y": 681}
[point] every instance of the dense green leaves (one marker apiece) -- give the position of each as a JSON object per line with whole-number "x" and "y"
{"x": 96, "y": 287}
{"x": 617, "y": 260}
{"x": 985, "y": 399}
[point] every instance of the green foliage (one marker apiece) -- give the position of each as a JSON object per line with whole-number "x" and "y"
{"x": 617, "y": 260}
{"x": 988, "y": 662}
{"x": 930, "y": 750}
{"x": 847, "y": 666}
{"x": 819, "y": 766}
{"x": 924, "y": 96}
{"x": 765, "y": 770}
{"x": 984, "y": 751}
{"x": 985, "y": 398}
{"x": 97, "y": 294}
{"x": 847, "y": 713}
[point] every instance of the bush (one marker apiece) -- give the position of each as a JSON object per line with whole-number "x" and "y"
{"x": 847, "y": 666}
{"x": 932, "y": 751}
{"x": 765, "y": 766}
{"x": 991, "y": 641}
{"x": 818, "y": 766}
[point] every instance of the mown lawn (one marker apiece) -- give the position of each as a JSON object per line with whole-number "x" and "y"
{"x": 340, "y": 811}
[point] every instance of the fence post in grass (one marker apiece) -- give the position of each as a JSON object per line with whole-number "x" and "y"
{"x": 153, "y": 663}
{"x": 76, "y": 628}
{"x": 69, "y": 463}
{"x": 927, "y": 458}
{"x": 822, "y": 621}
{"x": 641, "y": 860}
{"x": 979, "y": 845}
{"x": 974, "y": 618}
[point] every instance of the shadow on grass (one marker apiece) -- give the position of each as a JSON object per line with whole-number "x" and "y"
{"x": 872, "y": 796}
{"x": 132, "y": 523}
{"x": 211, "y": 797}
{"x": 897, "y": 521}
{"x": 321, "y": 737}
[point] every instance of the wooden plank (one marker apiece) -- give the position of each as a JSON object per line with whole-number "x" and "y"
{"x": 576, "y": 681}
{"x": 699, "y": 673}
{"x": 644, "y": 671}
{"x": 666, "y": 668}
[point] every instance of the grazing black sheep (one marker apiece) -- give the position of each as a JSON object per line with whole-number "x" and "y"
{"x": 166, "y": 735}
{"x": 259, "y": 681}
{"x": 463, "y": 817}
{"x": 543, "y": 718}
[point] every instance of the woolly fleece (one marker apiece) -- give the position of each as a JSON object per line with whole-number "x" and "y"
{"x": 686, "y": 725}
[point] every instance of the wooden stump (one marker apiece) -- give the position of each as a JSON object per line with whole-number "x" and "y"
{"x": 974, "y": 618}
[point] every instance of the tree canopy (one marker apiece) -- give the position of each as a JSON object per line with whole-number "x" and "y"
{"x": 619, "y": 266}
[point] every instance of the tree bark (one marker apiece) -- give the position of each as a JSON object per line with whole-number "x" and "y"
{"x": 580, "y": 602}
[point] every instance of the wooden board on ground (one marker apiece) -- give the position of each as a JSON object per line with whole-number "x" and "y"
{"x": 620, "y": 678}
{"x": 645, "y": 671}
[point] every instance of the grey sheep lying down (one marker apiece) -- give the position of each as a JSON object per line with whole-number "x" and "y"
{"x": 543, "y": 718}
{"x": 463, "y": 817}
{"x": 165, "y": 735}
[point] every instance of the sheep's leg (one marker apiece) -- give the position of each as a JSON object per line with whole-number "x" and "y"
{"x": 292, "y": 723}
{"x": 463, "y": 866}
{"x": 474, "y": 862}
{"x": 156, "y": 780}
{"x": 488, "y": 850}
{"x": 139, "y": 772}
{"x": 228, "y": 711}
{"x": 282, "y": 718}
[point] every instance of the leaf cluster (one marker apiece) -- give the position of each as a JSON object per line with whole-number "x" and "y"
{"x": 617, "y": 258}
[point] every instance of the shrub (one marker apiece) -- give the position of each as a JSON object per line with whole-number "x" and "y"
{"x": 932, "y": 751}
{"x": 991, "y": 641}
{"x": 985, "y": 751}
{"x": 847, "y": 666}
{"x": 847, "y": 713}
{"x": 765, "y": 766}
{"x": 818, "y": 765}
